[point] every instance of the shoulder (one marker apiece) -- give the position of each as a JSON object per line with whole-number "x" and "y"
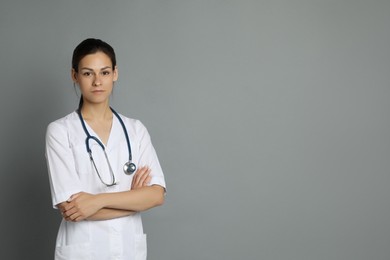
{"x": 133, "y": 123}
{"x": 135, "y": 127}
{"x": 62, "y": 124}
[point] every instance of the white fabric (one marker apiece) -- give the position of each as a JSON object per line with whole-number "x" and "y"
{"x": 71, "y": 171}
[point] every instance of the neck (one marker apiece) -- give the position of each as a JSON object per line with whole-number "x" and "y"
{"x": 92, "y": 112}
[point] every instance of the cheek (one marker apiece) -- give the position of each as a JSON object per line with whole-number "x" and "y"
{"x": 109, "y": 83}
{"x": 84, "y": 84}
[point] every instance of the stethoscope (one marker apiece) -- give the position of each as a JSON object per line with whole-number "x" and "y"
{"x": 129, "y": 167}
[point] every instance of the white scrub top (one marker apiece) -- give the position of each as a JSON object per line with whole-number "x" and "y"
{"x": 71, "y": 171}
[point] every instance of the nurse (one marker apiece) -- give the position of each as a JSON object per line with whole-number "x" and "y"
{"x": 99, "y": 202}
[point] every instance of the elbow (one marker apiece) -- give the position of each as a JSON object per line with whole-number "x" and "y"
{"x": 159, "y": 197}
{"x": 155, "y": 198}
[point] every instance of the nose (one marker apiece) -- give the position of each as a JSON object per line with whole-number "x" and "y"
{"x": 97, "y": 81}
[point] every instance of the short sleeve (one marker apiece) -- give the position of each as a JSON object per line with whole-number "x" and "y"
{"x": 63, "y": 178}
{"x": 148, "y": 157}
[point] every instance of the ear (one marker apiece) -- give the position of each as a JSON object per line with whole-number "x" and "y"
{"x": 74, "y": 75}
{"x": 115, "y": 73}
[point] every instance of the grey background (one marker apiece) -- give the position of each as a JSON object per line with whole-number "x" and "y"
{"x": 270, "y": 118}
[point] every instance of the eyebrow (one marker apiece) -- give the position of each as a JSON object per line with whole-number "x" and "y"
{"x": 104, "y": 68}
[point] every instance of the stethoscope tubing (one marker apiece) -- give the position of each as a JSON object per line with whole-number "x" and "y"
{"x": 129, "y": 167}
{"x": 89, "y": 136}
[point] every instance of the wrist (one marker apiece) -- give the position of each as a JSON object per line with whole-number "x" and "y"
{"x": 99, "y": 199}
{"x": 103, "y": 200}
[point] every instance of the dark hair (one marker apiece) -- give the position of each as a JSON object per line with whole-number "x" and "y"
{"x": 91, "y": 46}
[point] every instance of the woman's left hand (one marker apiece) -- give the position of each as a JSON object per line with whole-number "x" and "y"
{"x": 80, "y": 206}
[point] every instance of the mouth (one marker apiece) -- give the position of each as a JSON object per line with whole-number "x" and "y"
{"x": 98, "y": 91}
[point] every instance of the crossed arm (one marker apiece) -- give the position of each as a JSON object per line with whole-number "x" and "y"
{"x": 86, "y": 206}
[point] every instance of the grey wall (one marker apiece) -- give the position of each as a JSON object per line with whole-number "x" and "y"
{"x": 270, "y": 118}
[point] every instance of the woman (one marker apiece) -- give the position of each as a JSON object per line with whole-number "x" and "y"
{"x": 102, "y": 166}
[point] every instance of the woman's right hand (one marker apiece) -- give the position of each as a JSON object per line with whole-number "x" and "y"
{"x": 141, "y": 178}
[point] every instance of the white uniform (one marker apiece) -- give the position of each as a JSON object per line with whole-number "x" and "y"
{"x": 71, "y": 171}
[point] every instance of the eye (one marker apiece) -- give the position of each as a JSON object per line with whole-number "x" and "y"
{"x": 105, "y": 73}
{"x": 86, "y": 74}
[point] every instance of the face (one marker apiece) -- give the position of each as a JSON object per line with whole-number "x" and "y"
{"x": 96, "y": 78}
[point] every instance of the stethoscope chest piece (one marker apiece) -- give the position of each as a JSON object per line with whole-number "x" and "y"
{"x": 129, "y": 168}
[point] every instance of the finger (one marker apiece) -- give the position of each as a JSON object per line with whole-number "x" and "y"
{"x": 71, "y": 217}
{"x": 74, "y": 217}
{"x": 147, "y": 181}
{"x": 135, "y": 177}
{"x": 141, "y": 171}
{"x": 70, "y": 212}
{"x": 78, "y": 219}
{"x": 68, "y": 207}
{"x": 138, "y": 176}
{"x": 144, "y": 178}
{"x": 74, "y": 196}
{"x": 68, "y": 218}
{"x": 61, "y": 207}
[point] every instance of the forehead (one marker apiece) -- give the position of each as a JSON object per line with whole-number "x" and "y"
{"x": 95, "y": 61}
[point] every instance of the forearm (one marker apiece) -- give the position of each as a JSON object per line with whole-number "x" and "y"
{"x": 134, "y": 200}
{"x": 141, "y": 197}
{"x": 106, "y": 213}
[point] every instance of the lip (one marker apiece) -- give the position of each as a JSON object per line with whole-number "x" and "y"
{"x": 98, "y": 91}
